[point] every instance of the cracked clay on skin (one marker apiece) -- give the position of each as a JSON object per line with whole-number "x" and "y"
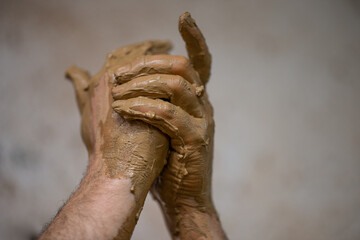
{"x": 133, "y": 140}
{"x": 128, "y": 149}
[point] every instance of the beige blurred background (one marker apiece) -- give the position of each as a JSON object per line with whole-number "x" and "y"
{"x": 285, "y": 86}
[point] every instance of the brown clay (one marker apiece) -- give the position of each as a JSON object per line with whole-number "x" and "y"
{"x": 168, "y": 92}
{"x": 129, "y": 150}
{"x": 155, "y": 97}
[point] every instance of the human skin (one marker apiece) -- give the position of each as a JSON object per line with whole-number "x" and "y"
{"x": 169, "y": 93}
{"x": 124, "y": 158}
{"x": 157, "y": 97}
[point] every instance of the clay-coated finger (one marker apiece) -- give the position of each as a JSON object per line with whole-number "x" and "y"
{"x": 173, "y": 88}
{"x": 170, "y": 119}
{"x": 196, "y": 46}
{"x": 81, "y": 80}
{"x": 157, "y": 64}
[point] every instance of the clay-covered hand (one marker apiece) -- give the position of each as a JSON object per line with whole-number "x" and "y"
{"x": 119, "y": 149}
{"x": 168, "y": 92}
{"x": 106, "y": 135}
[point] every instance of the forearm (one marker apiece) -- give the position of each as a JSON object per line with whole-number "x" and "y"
{"x": 187, "y": 222}
{"x": 101, "y": 208}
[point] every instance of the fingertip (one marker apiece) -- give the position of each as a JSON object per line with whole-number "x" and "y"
{"x": 186, "y": 19}
{"x": 74, "y": 73}
{"x": 116, "y": 104}
{"x": 119, "y": 106}
{"x": 81, "y": 80}
{"x": 70, "y": 72}
{"x": 114, "y": 91}
{"x": 123, "y": 73}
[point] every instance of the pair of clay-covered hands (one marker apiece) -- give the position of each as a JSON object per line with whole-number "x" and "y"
{"x": 146, "y": 116}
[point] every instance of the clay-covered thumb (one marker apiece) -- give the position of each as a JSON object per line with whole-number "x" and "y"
{"x": 81, "y": 81}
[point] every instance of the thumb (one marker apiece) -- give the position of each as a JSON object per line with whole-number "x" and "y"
{"x": 196, "y": 46}
{"x": 81, "y": 81}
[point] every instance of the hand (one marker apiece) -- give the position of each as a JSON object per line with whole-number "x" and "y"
{"x": 168, "y": 92}
{"x": 118, "y": 149}
{"x": 125, "y": 157}
{"x": 105, "y": 133}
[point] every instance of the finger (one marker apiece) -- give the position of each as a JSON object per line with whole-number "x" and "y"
{"x": 157, "y": 64}
{"x": 196, "y": 46}
{"x": 170, "y": 119}
{"x": 81, "y": 80}
{"x": 173, "y": 88}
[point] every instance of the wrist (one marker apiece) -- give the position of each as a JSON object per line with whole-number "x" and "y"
{"x": 98, "y": 209}
{"x": 193, "y": 222}
{"x": 101, "y": 208}
{"x": 183, "y": 206}
{"x": 124, "y": 202}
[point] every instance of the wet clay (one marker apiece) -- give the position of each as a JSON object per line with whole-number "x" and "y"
{"x": 168, "y": 92}
{"x": 152, "y": 99}
{"x": 129, "y": 150}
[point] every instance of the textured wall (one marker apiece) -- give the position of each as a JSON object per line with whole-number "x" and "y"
{"x": 285, "y": 86}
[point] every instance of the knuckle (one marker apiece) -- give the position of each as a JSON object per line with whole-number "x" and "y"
{"x": 181, "y": 82}
{"x": 183, "y": 61}
{"x": 169, "y": 111}
{"x": 177, "y": 83}
{"x": 167, "y": 108}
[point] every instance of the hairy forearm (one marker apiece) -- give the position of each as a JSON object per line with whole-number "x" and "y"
{"x": 101, "y": 208}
